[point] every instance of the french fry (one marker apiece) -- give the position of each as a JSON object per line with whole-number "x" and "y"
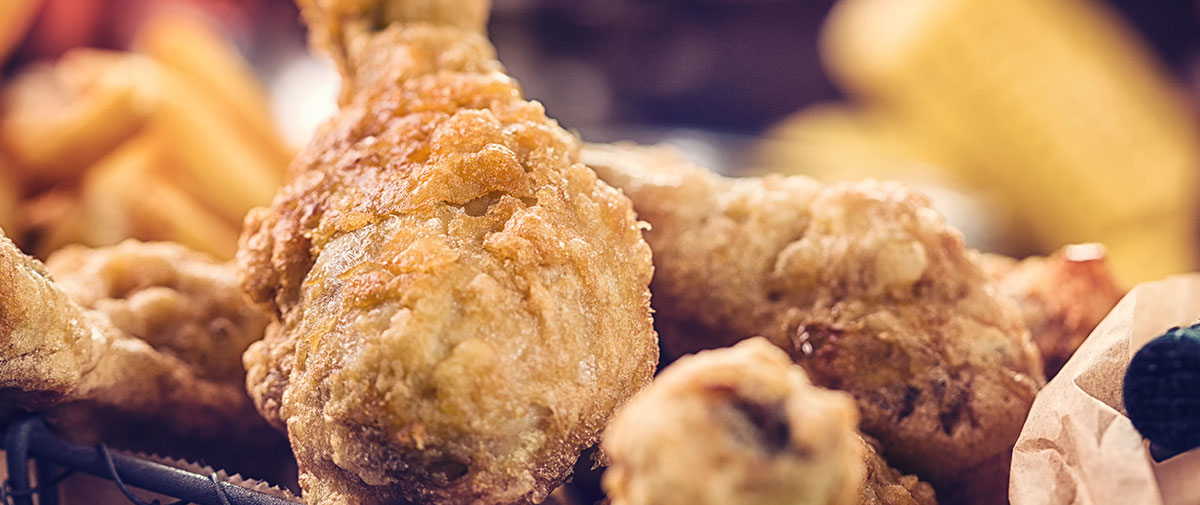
{"x": 227, "y": 170}
{"x": 51, "y": 220}
{"x": 106, "y": 190}
{"x": 199, "y": 55}
{"x": 16, "y": 16}
{"x": 9, "y": 194}
{"x": 124, "y": 197}
{"x": 57, "y": 123}
{"x": 174, "y": 144}
{"x": 170, "y": 214}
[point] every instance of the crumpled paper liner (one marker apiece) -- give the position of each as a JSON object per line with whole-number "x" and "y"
{"x": 1077, "y": 446}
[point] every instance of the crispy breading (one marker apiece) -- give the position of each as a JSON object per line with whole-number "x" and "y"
{"x": 1062, "y": 296}
{"x": 744, "y": 426}
{"x": 864, "y": 284}
{"x": 459, "y": 304}
{"x": 181, "y": 302}
{"x": 95, "y": 382}
{"x": 887, "y": 486}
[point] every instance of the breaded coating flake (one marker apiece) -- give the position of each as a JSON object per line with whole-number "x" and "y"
{"x": 867, "y": 288}
{"x": 97, "y": 383}
{"x": 181, "y": 302}
{"x": 459, "y": 304}
{"x": 1062, "y": 296}
{"x": 744, "y": 426}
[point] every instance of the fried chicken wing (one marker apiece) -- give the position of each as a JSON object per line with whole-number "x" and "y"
{"x": 1062, "y": 296}
{"x": 743, "y": 426}
{"x": 96, "y": 382}
{"x": 459, "y": 304}
{"x": 864, "y": 284}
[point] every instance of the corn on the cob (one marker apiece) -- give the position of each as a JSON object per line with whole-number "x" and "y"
{"x": 1053, "y": 102}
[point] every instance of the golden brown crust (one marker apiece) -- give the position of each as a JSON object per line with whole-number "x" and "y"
{"x": 94, "y": 382}
{"x": 460, "y": 304}
{"x": 1062, "y": 296}
{"x": 336, "y": 27}
{"x": 181, "y": 302}
{"x": 885, "y": 485}
{"x": 744, "y": 426}
{"x": 867, "y": 288}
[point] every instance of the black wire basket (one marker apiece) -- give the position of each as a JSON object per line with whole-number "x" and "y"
{"x": 30, "y": 446}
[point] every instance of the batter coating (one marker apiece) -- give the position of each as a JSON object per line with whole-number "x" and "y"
{"x": 96, "y": 382}
{"x": 458, "y": 303}
{"x": 863, "y": 284}
{"x": 1062, "y": 296}
{"x": 181, "y": 302}
{"x": 744, "y": 426}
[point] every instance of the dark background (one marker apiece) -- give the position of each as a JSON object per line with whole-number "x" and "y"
{"x": 733, "y": 66}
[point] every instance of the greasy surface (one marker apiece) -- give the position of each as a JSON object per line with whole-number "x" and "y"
{"x": 97, "y": 383}
{"x": 743, "y": 426}
{"x": 181, "y": 302}
{"x": 459, "y": 304}
{"x": 863, "y": 284}
{"x": 1062, "y": 296}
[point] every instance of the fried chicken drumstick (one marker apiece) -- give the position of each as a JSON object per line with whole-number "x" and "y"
{"x": 128, "y": 373}
{"x": 744, "y": 426}
{"x": 459, "y": 304}
{"x": 863, "y": 284}
{"x": 1062, "y": 296}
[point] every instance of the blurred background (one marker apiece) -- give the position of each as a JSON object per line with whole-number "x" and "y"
{"x": 1031, "y": 123}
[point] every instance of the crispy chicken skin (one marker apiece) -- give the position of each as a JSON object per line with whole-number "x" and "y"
{"x": 1062, "y": 296}
{"x": 95, "y": 382}
{"x": 887, "y": 486}
{"x": 744, "y": 426}
{"x": 458, "y": 303}
{"x": 181, "y": 302}
{"x": 863, "y": 284}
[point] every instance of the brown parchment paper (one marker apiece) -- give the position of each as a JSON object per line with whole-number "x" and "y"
{"x": 1077, "y": 446}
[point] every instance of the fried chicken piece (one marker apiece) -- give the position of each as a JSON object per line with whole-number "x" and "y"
{"x": 864, "y": 284}
{"x": 181, "y": 302}
{"x": 1062, "y": 296}
{"x": 887, "y": 486}
{"x": 459, "y": 304}
{"x": 95, "y": 382}
{"x": 743, "y": 426}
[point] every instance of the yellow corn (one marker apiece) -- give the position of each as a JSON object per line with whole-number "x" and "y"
{"x": 1053, "y": 102}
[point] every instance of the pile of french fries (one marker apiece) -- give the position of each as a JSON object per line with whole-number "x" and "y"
{"x": 173, "y": 141}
